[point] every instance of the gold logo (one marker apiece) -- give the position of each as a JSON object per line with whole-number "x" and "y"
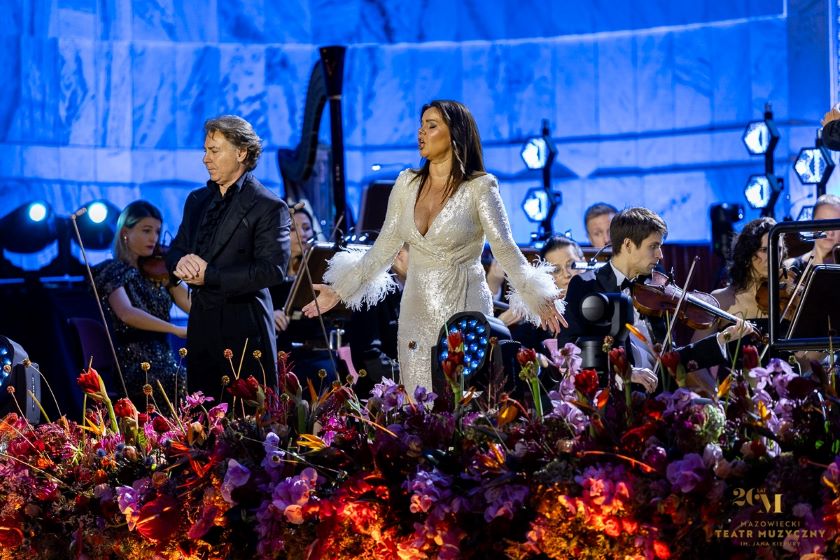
{"x": 772, "y": 503}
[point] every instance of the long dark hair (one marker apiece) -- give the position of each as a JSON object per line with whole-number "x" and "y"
{"x": 746, "y": 246}
{"x": 467, "y": 158}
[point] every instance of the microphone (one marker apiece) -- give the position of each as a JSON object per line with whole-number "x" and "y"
{"x": 79, "y": 213}
{"x": 584, "y": 265}
{"x": 594, "y": 258}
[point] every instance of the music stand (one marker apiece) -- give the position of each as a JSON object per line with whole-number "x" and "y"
{"x": 315, "y": 260}
{"x": 820, "y": 304}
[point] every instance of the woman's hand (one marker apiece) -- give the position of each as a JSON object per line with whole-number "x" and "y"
{"x": 509, "y": 317}
{"x": 551, "y": 319}
{"x": 180, "y": 332}
{"x": 326, "y": 300}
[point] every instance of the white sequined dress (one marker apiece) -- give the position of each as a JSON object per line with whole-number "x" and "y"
{"x": 445, "y": 275}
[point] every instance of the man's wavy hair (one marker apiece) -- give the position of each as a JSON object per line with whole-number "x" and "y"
{"x": 240, "y": 133}
{"x": 747, "y": 244}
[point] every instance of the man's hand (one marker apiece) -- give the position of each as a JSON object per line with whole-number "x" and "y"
{"x": 281, "y": 320}
{"x": 832, "y": 115}
{"x": 191, "y": 269}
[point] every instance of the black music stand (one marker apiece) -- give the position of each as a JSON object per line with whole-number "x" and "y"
{"x": 315, "y": 260}
{"x": 820, "y": 304}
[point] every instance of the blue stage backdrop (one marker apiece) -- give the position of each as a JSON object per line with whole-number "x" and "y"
{"x": 647, "y": 99}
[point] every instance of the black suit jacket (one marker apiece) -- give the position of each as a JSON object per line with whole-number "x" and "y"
{"x": 705, "y": 352}
{"x": 249, "y": 253}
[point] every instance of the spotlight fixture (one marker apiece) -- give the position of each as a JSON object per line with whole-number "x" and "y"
{"x": 476, "y": 334}
{"x": 23, "y": 377}
{"x": 813, "y": 166}
{"x": 28, "y": 228}
{"x": 540, "y": 204}
{"x": 761, "y": 138}
{"x": 806, "y": 213}
{"x": 762, "y": 191}
{"x": 98, "y": 225}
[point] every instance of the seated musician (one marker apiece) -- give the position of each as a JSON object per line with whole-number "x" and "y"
{"x": 561, "y": 252}
{"x": 637, "y": 235}
{"x": 596, "y": 221}
{"x": 826, "y": 208}
{"x": 746, "y": 294}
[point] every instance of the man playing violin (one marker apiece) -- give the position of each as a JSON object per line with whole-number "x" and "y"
{"x": 637, "y": 235}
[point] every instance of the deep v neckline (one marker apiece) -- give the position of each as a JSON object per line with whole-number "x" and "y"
{"x": 433, "y": 220}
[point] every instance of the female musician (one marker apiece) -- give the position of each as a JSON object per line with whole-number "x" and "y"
{"x": 138, "y": 307}
{"x": 300, "y": 235}
{"x": 443, "y": 211}
{"x": 747, "y": 272}
{"x": 826, "y": 208}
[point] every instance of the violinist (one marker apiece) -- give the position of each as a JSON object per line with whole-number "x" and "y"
{"x": 137, "y": 307}
{"x": 300, "y": 236}
{"x": 826, "y": 208}
{"x": 637, "y": 235}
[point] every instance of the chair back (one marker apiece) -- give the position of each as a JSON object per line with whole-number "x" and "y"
{"x": 93, "y": 342}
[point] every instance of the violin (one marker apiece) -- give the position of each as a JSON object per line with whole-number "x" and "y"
{"x": 762, "y": 297}
{"x": 153, "y": 267}
{"x": 659, "y": 295}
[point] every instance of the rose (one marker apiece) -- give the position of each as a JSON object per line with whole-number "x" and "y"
{"x": 587, "y": 382}
{"x": 124, "y": 408}
{"x": 749, "y": 356}
{"x": 526, "y": 356}
{"x": 246, "y": 389}
{"x": 618, "y": 358}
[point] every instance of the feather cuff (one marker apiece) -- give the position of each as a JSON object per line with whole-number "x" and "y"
{"x": 354, "y": 286}
{"x": 534, "y": 291}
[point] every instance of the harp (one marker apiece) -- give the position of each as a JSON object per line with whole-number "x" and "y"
{"x": 297, "y": 165}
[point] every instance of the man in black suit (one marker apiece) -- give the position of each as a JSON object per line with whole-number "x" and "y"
{"x": 233, "y": 243}
{"x": 637, "y": 235}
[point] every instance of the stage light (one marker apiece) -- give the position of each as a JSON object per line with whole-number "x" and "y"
{"x": 762, "y": 191}
{"x": 28, "y": 228}
{"x": 813, "y": 165}
{"x": 806, "y": 214}
{"x": 98, "y": 225}
{"x": 37, "y": 212}
{"x": 760, "y": 137}
{"x": 535, "y": 153}
{"x": 535, "y": 205}
{"x": 23, "y": 376}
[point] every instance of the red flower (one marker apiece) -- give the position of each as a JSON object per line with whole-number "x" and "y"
{"x": 618, "y": 358}
{"x": 246, "y": 389}
{"x": 11, "y": 535}
{"x": 142, "y": 418}
{"x": 450, "y": 369}
{"x": 671, "y": 361}
{"x": 586, "y": 381}
{"x": 91, "y": 383}
{"x": 160, "y": 424}
{"x": 158, "y": 520}
{"x": 454, "y": 341}
{"x": 749, "y": 355}
{"x": 661, "y": 550}
{"x": 526, "y": 356}
{"x": 289, "y": 383}
{"x": 124, "y": 408}
{"x": 612, "y": 526}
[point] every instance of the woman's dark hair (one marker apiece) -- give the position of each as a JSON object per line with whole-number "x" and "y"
{"x": 240, "y": 133}
{"x": 558, "y": 242}
{"x": 467, "y": 158}
{"x": 747, "y": 244}
{"x": 129, "y": 217}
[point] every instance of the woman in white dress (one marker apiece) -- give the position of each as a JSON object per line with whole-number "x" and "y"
{"x": 443, "y": 211}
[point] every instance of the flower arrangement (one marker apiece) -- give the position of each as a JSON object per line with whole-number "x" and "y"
{"x": 569, "y": 465}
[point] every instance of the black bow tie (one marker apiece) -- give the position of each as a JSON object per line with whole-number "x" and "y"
{"x": 626, "y": 283}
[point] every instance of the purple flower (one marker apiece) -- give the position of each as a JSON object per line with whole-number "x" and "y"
{"x": 197, "y": 399}
{"x": 293, "y": 493}
{"x": 687, "y": 473}
{"x": 760, "y": 377}
{"x": 572, "y": 415}
{"x": 129, "y": 498}
{"x": 428, "y": 488}
{"x": 780, "y": 383}
{"x": 391, "y": 395}
{"x": 422, "y": 396}
{"x": 503, "y": 500}
{"x": 236, "y": 476}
